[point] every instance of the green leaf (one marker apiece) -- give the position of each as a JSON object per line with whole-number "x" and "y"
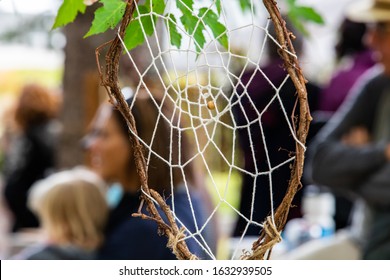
{"x": 195, "y": 28}
{"x": 308, "y": 14}
{"x": 185, "y": 6}
{"x": 68, "y": 12}
{"x": 218, "y": 4}
{"x": 301, "y": 14}
{"x": 245, "y": 5}
{"x": 174, "y": 35}
{"x": 142, "y": 20}
{"x": 218, "y": 29}
{"x": 134, "y": 35}
{"x": 298, "y": 24}
{"x": 291, "y": 3}
{"x": 107, "y": 16}
{"x": 156, "y": 6}
{"x": 146, "y": 19}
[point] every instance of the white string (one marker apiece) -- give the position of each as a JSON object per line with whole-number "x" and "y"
{"x": 205, "y": 124}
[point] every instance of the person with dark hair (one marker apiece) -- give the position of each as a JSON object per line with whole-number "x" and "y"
{"x": 354, "y": 58}
{"x": 112, "y": 158}
{"x": 32, "y": 155}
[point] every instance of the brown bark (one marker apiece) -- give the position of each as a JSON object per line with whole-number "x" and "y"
{"x": 82, "y": 92}
{"x": 80, "y": 88}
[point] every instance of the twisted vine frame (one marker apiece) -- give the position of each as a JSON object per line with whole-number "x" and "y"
{"x": 270, "y": 235}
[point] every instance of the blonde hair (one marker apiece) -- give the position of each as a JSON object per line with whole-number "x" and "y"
{"x": 72, "y": 207}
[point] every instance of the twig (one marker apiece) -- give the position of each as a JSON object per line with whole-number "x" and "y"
{"x": 262, "y": 247}
{"x": 109, "y": 79}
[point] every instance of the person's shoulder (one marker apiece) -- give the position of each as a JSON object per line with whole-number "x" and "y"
{"x": 133, "y": 226}
{"x": 30, "y": 252}
{"x": 53, "y": 252}
{"x": 39, "y": 252}
{"x": 135, "y": 238}
{"x": 368, "y": 84}
{"x": 372, "y": 76}
{"x": 181, "y": 196}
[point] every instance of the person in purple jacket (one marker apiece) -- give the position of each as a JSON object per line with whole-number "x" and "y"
{"x": 354, "y": 58}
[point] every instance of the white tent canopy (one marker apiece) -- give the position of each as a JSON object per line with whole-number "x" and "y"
{"x": 24, "y": 57}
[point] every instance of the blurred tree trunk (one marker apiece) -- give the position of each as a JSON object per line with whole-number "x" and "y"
{"x": 80, "y": 88}
{"x": 81, "y": 83}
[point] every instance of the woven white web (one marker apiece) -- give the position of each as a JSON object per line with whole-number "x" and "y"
{"x": 194, "y": 83}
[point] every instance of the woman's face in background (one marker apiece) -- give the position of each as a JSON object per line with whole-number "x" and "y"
{"x": 109, "y": 148}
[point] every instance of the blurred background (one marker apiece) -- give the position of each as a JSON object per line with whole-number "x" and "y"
{"x": 61, "y": 59}
{"x": 30, "y": 51}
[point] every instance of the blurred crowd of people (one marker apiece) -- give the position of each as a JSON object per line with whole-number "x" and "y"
{"x": 85, "y": 213}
